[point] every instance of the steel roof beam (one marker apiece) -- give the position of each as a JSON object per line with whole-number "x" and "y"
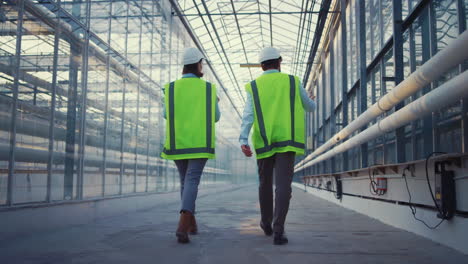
{"x": 252, "y": 13}
{"x": 300, "y": 32}
{"x": 199, "y": 46}
{"x": 318, "y": 35}
{"x": 307, "y": 37}
{"x": 222, "y": 47}
{"x": 241, "y": 38}
{"x": 260, "y": 19}
{"x": 271, "y": 24}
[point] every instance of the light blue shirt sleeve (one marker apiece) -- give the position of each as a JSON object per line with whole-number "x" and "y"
{"x": 308, "y": 104}
{"x": 248, "y": 116}
{"x": 247, "y": 121}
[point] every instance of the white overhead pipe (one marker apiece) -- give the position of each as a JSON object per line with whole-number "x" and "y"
{"x": 448, "y": 93}
{"x": 455, "y": 53}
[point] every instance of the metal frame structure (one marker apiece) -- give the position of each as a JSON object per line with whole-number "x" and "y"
{"x": 235, "y": 31}
{"x": 435, "y": 22}
{"x": 80, "y": 102}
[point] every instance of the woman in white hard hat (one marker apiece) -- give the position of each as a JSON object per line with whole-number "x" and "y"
{"x": 191, "y": 110}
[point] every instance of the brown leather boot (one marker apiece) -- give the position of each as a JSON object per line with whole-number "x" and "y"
{"x": 183, "y": 228}
{"x": 193, "y": 227}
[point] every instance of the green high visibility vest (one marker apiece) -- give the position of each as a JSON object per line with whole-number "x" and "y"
{"x": 190, "y": 119}
{"x": 279, "y": 115}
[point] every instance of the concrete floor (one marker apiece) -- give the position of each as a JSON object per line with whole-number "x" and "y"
{"x": 319, "y": 232}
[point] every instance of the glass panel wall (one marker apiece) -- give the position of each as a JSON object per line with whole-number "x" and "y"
{"x": 81, "y": 98}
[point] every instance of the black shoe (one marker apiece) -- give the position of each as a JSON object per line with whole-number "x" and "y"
{"x": 280, "y": 239}
{"x": 266, "y": 229}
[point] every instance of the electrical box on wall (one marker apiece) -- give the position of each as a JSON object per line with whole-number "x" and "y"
{"x": 381, "y": 185}
{"x": 339, "y": 188}
{"x": 445, "y": 196}
{"x": 328, "y": 186}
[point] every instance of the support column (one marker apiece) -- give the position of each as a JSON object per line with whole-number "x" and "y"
{"x": 122, "y": 125}
{"x": 70, "y": 141}
{"x": 398, "y": 65}
{"x": 83, "y": 102}
{"x": 331, "y": 73}
{"x": 137, "y": 121}
{"x": 362, "y": 95}
{"x": 149, "y": 102}
{"x": 14, "y": 105}
{"x": 52, "y": 108}
{"x": 464, "y": 102}
{"x": 106, "y": 111}
{"x": 428, "y": 128}
{"x": 344, "y": 79}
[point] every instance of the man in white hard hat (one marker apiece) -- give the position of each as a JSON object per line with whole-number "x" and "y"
{"x": 191, "y": 110}
{"x": 276, "y": 105}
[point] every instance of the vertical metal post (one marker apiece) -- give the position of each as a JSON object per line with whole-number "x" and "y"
{"x": 35, "y": 95}
{"x": 170, "y": 60}
{"x": 433, "y": 43}
{"x": 318, "y": 112}
{"x": 137, "y": 121}
{"x": 84, "y": 95}
{"x": 372, "y": 47}
{"x": 322, "y": 164}
{"x": 71, "y": 115}
{"x": 398, "y": 65}
{"x": 149, "y": 102}
{"x": 412, "y": 60}
{"x": 361, "y": 16}
{"x": 163, "y": 79}
{"x": 177, "y": 48}
{"x": 122, "y": 126}
{"x": 381, "y": 24}
{"x": 52, "y": 108}
{"x": 371, "y": 79}
{"x": 383, "y": 90}
{"x": 344, "y": 79}
{"x": 427, "y": 130}
{"x": 464, "y": 102}
{"x": 331, "y": 73}
{"x": 106, "y": 107}
{"x": 14, "y": 106}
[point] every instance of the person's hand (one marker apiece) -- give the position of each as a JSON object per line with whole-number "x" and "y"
{"x": 313, "y": 97}
{"x": 246, "y": 150}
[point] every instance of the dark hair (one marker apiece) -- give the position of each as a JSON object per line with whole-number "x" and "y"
{"x": 191, "y": 68}
{"x": 271, "y": 64}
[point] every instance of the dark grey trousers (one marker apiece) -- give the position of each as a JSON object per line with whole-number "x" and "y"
{"x": 282, "y": 164}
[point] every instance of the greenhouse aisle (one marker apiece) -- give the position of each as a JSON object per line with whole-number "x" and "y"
{"x": 319, "y": 232}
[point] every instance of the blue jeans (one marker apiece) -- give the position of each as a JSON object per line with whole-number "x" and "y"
{"x": 190, "y": 171}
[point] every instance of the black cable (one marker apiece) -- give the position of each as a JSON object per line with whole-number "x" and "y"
{"x": 413, "y": 208}
{"x": 373, "y": 183}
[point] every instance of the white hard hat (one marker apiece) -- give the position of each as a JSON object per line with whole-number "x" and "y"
{"x": 191, "y": 56}
{"x": 268, "y": 53}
